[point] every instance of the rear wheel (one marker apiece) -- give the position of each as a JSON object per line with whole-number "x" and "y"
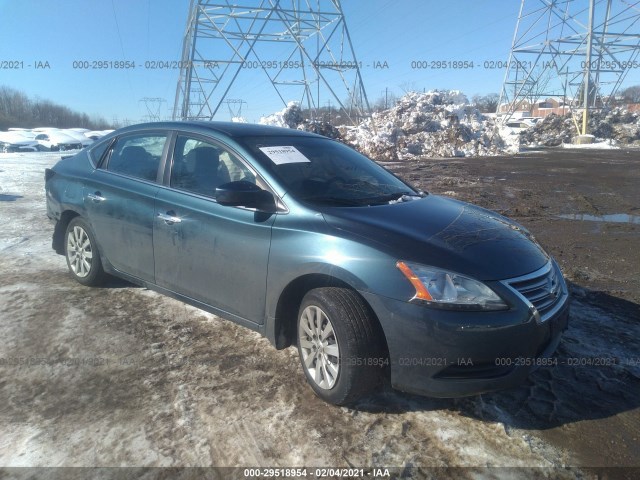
{"x": 82, "y": 254}
{"x": 339, "y": 345}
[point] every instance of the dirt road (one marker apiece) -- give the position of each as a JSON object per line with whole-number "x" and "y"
{"x": 121, "y": 376}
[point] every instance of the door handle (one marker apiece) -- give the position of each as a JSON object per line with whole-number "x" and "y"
{"x": 169, "y": 218}
{"x": 96, "y": 197}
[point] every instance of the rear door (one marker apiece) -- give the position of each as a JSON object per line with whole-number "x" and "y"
{"x": 119, "y": 199}
{"x": 208, "y": 252}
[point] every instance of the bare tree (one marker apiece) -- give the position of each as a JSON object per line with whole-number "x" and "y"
{"x": 17, "y": 110}
{"x": 631, "y": 94}
{"x": 486, "y": 103}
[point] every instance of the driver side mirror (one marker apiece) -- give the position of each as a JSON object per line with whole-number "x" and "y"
{"x": 245, "y": 194}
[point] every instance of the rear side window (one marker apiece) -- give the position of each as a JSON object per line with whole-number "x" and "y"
{"x": 137, "y": 155}
{"x": 96, "y": 152}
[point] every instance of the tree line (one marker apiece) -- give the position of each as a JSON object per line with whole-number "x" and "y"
{"x": 20, "y": 111}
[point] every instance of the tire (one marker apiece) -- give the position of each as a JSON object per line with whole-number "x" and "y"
{"x": 81, "y": 252}
{"x": 339, "y": 344}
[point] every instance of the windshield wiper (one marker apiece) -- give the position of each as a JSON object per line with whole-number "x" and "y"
{"x": 382, "y": 199}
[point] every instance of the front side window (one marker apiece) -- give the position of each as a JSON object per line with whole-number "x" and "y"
{"x": 200, "y": 166}
{"x": 137, "y": 155}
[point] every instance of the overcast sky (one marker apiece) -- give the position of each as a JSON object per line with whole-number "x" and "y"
{"x": 397, "y": 32}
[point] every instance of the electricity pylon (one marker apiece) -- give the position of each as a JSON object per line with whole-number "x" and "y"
{"x": 235, "y": 108}
{"x": 577, "y": 50}
{"x": 298, "y": 49}
{"x": 154, "y": 108}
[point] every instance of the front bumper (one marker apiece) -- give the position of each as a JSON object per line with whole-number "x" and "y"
{"x": 444, "y": 353}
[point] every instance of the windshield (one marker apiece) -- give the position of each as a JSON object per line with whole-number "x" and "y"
{"x": 324, "y": 171}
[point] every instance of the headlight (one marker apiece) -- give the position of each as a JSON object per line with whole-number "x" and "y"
{"x": 445, "y": 289}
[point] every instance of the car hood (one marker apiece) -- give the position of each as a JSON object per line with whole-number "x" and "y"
{"x": 444, "y": 233}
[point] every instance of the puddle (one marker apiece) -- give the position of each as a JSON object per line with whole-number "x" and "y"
{"x": 613, "y": 218}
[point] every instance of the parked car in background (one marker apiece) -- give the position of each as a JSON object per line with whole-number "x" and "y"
{"x": 79, "y": 136}
{"x": 310, "y": 243}
{"x": 96, "y": 134}
{"x": 56, "y": 140}
{"x": 17, "y": 141}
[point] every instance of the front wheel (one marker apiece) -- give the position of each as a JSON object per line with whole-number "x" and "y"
{"x": 339, "y": 344}
{"x": 81, "y": 252}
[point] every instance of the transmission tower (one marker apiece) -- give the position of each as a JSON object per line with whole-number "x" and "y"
{"x": 576, "y": 50}
{"x": 235, "y": 108}
{"x": 298, "y": 49}
{"x": 154, "y": 108}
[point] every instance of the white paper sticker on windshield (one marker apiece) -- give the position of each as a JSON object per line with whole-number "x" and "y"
{"x": 285, "y": 154}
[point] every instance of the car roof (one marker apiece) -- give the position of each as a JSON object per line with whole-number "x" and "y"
{"x": 230, "y": 129}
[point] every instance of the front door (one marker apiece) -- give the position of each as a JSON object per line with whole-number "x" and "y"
{"x": 208, "y": 252}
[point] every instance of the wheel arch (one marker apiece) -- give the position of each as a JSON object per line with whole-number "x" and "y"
{"x": 60, "y": 228}
{"x": 283, "y": 326}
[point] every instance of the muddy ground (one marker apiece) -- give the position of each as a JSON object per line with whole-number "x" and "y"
{"x": 584, "y": 207}
{"x": 122, "y": 376}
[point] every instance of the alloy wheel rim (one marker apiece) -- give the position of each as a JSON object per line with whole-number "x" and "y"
{"x": 79, "y": 252}
{"x": 319, "y": 347}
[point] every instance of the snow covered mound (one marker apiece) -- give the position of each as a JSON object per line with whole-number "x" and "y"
{"x": 442, "y": 123}
{"x": 432, "y": 124}
{"x": 618, "y": 126}
{"x": 290, "y": 116}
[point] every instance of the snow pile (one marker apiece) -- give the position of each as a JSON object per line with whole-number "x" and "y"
{"x": 442, "y": 123}
{"x": 510, "y": 137}
{"x": 432, "y": 124}
{"x": 290, "y": 116}
{"x": 618, "y": 126}
{"x": 604, "y": 145}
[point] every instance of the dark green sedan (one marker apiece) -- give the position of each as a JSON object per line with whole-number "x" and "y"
{"x": 312, "y": 244}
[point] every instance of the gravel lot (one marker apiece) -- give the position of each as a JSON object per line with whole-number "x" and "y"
{"x": 122, "y": 376}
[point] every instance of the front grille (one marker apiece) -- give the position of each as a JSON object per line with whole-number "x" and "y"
{"x": 543, "y": 289}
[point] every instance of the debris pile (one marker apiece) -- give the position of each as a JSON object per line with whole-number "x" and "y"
{"x": 618, "y": 125}
{"x": 552, "y": 131}
{"x": 431, "y": 124}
